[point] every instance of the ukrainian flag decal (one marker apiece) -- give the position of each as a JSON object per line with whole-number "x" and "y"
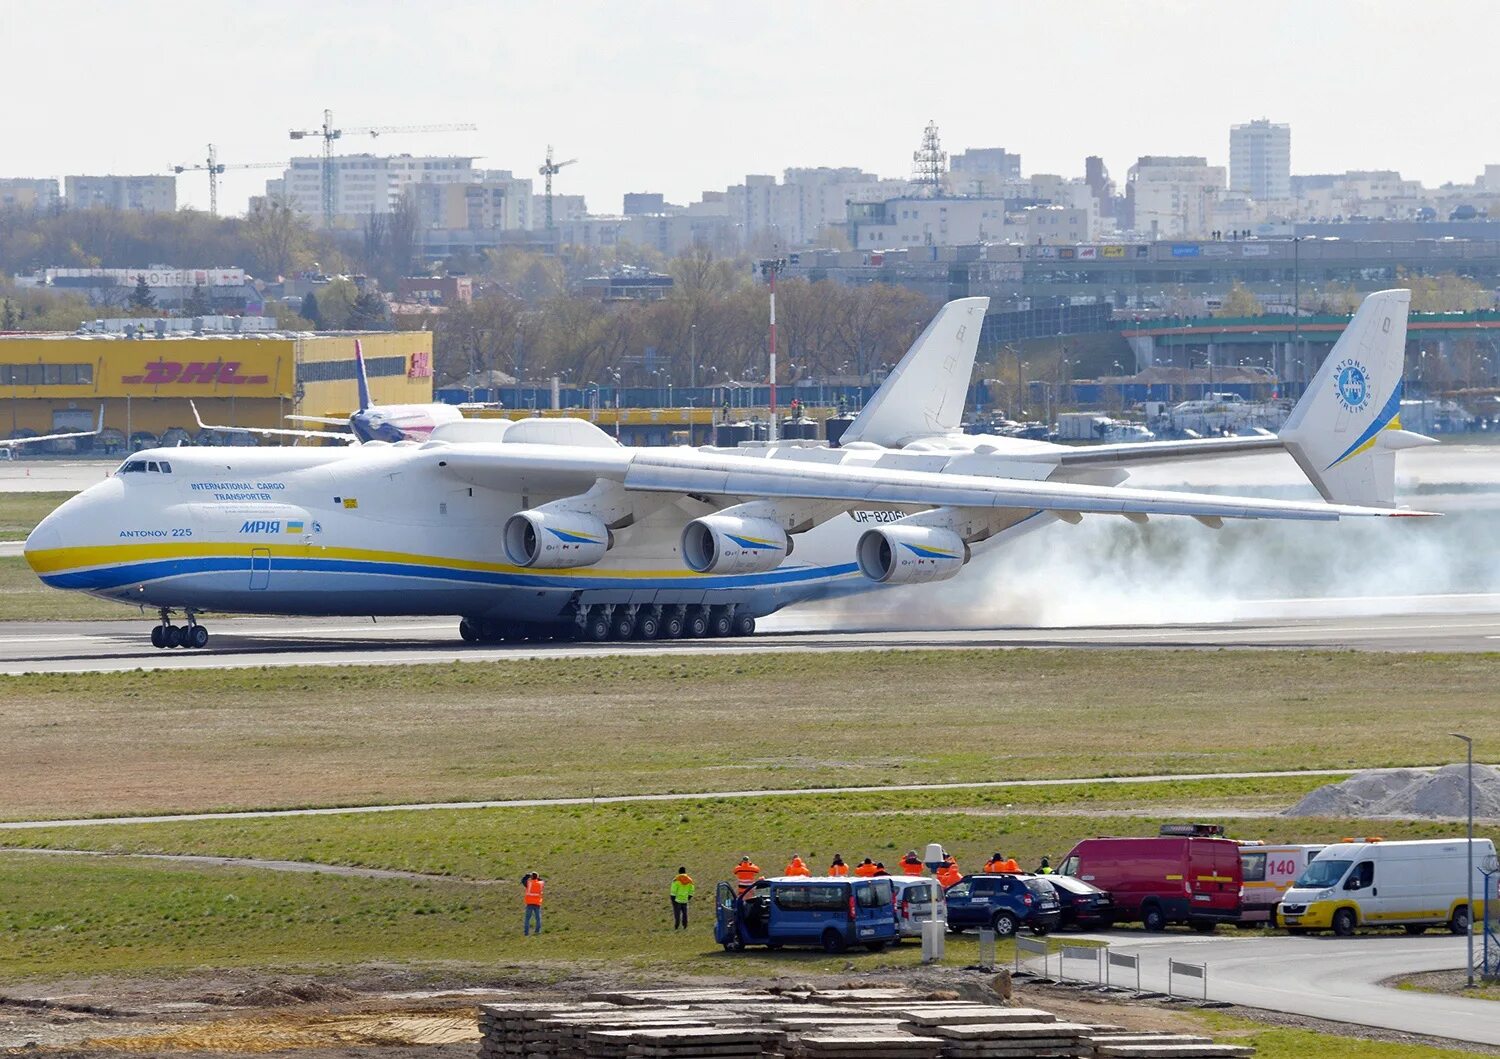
{"x": 294, "y": 527}
{"x": 572, "y": 537}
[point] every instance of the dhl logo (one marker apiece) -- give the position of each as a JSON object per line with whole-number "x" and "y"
{"x": 195, "y": 372}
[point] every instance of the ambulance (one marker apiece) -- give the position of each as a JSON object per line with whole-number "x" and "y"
{"x": 1370, "y": 882}
{"x": 1269, "y": 872}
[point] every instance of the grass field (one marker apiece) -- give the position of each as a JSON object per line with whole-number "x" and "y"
{"x": 607, "y": 869}
{"x": 160, "y": 741}
{"x": 20, "y": 512}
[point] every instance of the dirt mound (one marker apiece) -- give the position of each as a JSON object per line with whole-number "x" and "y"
{"x": 277, "y": 994}
{"x": 1440, "y": 794}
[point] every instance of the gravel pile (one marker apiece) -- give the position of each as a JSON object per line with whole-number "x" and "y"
{"x": 1439, "y": 794}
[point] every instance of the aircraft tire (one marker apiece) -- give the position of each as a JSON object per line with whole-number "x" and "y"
{"x": 648, "y": 625}
{"x": 622, "y": 626}
{"x": 744, "y": 625}
{"x": 721, "y": 624}
{"x": 158, "y": 636}
{"x": 196, "y": 637}
{"x": 173, "y": 636}
{"x": 596, "y": 628}
{"x": 697, "y": 624}
{"x": 672, "y": 626}
{"x": 467, "y": 632}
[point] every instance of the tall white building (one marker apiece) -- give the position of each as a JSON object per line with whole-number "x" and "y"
{"x": 144, "y": 194}
{"x": 367, "y": 183}
{"x": 1260, "y": 160}
{"x": 1171, "y": 197}
{"x": 808, "y": 201}
{"x": 26, "y": 193}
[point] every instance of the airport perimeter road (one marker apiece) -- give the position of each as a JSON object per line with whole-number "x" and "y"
{"x": 113, "y": 646}
{"x": 1323, "y": 977}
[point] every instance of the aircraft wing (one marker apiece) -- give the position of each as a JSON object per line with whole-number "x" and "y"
{"x": 13, "y": 442}
{"x": 1136, "y": 453}
{"x": 692, "y": 472}
{"x": 329, "y": 420}
{"x": 281, "y": 432}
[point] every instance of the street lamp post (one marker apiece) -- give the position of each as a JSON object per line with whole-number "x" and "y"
{"x": 1469, "y": 745}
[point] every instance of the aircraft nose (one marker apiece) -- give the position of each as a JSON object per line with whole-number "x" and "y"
{"x": 44, "y": 537}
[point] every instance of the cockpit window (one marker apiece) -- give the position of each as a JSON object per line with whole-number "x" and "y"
{"x": 145, "y": 467}
{"x": 166, "y": 468}
{"x": 152, "y": 466}
{"x": 133, "y": 467}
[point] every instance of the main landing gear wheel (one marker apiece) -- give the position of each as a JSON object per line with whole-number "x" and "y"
{"x": 623, "y": 625}
{"x": 720, "y": 623}
{"x": 744, "y": 625}
{"x": 197, "y": 636}
{"x": 697, "y": 623}
{"x": 673, "y": 625}
{"x": 596, "y": 627}
{"x": 158, "y": 636}
{"x": 467, "y": 631}
{"x": 647, "y": 625}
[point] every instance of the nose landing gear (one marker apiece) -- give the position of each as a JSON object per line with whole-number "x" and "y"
{"x": 168, "y": 635}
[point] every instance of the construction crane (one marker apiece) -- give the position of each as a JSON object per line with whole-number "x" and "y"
{"x": 328, "y": 134}
{"x": 216, "y": 169}
{"x": 549, "y": 169}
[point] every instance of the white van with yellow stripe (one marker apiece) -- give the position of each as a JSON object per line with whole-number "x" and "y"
{"x": 1371, "y": 882}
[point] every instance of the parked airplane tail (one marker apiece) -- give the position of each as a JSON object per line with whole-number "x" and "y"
{"x": 1345, "y": 431}
{"x": 361, "y": 378}
{"x": 924, "y": 394}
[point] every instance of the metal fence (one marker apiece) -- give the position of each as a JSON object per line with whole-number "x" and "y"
{"x": 1124, "y": 962}
{"x": 1027, "y": 947}
{"x": 1178, "y": 969}
{"x": 1089, "y": 954}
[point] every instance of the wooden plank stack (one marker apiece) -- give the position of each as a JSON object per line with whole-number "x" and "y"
{"x": 729, "y": 1023}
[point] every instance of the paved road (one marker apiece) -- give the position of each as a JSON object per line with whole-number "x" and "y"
{"x": 112, "y": 646}
{"x": 612, "y": 799}
{"x": 1323, "y": 977}
{"x": 296, "y": 867}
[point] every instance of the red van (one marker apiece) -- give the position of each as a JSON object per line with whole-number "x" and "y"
{"x": 1187, "y": 874}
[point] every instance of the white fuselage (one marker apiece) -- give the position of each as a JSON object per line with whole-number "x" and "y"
{"x": 374, "y": 529}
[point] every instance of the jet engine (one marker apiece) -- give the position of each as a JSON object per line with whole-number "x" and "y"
{"x": 910, "y": 555}
{"x": 734, "y": 544}
{"x": 550, "y": 540}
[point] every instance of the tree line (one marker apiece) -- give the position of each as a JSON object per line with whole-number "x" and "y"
{"x": 711, "y": 327}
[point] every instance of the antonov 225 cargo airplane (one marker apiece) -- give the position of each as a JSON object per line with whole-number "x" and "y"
{"x": 548, "y": 527}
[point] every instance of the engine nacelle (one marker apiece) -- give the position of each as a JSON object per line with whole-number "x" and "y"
{"x": 910, "y": 555}
{"x": 551, "y": 540}
{"x": 733, "y": 544}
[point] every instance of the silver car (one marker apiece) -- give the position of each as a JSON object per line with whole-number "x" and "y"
{"x": 918, "y": 899}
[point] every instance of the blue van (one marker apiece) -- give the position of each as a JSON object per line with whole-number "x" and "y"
{"x": 833, "y": 913}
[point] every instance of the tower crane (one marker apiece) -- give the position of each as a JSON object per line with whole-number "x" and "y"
{"x": 216, "y": 169}
{"x": 549, "y": 169}
{"x": 328, "y": 134}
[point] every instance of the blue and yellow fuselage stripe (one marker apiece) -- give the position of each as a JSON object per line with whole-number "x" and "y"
{"x": 101, "y": 568}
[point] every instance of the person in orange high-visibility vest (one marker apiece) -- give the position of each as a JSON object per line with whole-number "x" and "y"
{"x": 838, "y": 867}
{"x": 796, "y": 866}
{"x": 865, "y": 868}
{"x": 911, "y": 864}
{"x": 532, "y": 883}
{"x": 997, "y": 863}
{"x": 948, "y": 873}
{"x": 746, "y": 871}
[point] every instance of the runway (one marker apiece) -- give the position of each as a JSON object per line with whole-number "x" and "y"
{"x": 1448, "y": 623}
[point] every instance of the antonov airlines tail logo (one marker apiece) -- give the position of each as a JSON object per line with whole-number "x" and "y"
{"x": 1352, "y": 385}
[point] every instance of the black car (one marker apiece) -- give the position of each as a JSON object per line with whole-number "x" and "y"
{"x": 1081, "y": 904}
{"x": 1003, "y": 903}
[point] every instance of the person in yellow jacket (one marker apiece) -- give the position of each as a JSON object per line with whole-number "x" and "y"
{"x": 682, "y": 892}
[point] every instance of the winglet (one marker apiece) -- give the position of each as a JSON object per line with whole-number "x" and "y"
{"x": 924, "y": 395}
{"x": 361, "y": 378}
{"x": 1346, "y": 429}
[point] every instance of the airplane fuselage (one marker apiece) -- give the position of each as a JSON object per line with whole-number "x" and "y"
{"x": 369, "y": 530}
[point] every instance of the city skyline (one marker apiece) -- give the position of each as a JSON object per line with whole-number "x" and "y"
{"x": 679, "y": 99}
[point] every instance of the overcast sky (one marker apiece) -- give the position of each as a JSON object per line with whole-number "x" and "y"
{"x": 652, "y": 95}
